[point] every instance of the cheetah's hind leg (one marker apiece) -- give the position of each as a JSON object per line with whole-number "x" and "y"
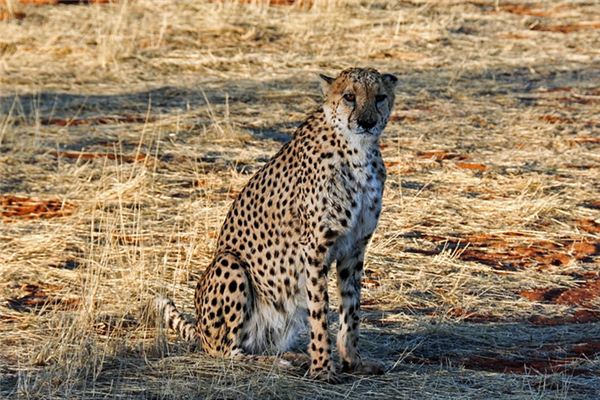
{"x": 223, "y": 300}
{"x": 224, "y": 303}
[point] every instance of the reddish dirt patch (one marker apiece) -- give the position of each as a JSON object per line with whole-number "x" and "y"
{"x": 542, "y": 295}
{"x": 593, "y": 204}
{"x": 585, "y": 100}
{"x": 587, "y": 349}
{"x": 517, "y": 257}
{"x": 550, "y": 358}
{"x": 592, "y": 91}
{"x": 9, "y": 318}
{"x": 79, "y": 155}
{"x": 30, "y": 208}
{"x": 589, "y": 225}
{"x": 503, "y": 252}
{"x": 391, "y": 164}
{"x": 584, "y": 139}
{"x": 38, "y": 297}
{"x": 530, "y": 9}
{"x": 567, "y": 28}
{"x": 5, "y": 15}
{"x": 535, "y": 253}
{"x": 555, "y": 119}
{"x": 102, "y": 120}
{"x": 578, "y": 317}
{"x": 369, "y": 304}
{"x": 582, "y": 296}
{"x": 213, "y": 234}
{"x": 398, "y": 167}
{"x": 201, "y": 183}
{"x": 439, "y": 155}
{"x": 409, "y": 119}
{"x": 524, "y": 9}
{"x": 471, "y": 166}
{"x": 583, "y": 250}
{"x": 523, "y": 365}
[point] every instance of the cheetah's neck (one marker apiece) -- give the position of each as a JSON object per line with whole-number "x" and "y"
{"x": 358, "y": 149}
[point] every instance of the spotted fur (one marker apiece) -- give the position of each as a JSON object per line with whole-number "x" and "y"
{"x": 316, "y": 202}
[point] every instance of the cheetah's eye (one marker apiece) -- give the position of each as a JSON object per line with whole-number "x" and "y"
{"x": 349, "y": 97}
{"x": 380, "y": 97}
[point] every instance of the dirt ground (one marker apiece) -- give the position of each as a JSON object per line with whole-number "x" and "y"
{"x": 127, "y": 128}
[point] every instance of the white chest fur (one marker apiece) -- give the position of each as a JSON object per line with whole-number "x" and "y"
{"x": 368, "y": 198}
{"x": 370, "y": 204}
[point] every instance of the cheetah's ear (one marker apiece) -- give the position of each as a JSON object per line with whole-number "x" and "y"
{"x": 390, "y": 80}
{"x": 326, "y": 82}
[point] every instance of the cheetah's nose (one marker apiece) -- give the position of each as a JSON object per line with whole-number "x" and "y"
{"x": 367, "y": 123}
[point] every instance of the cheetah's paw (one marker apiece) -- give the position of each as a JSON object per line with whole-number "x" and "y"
{"x": 325, "y": 375}
{"x": 363, "y": 367}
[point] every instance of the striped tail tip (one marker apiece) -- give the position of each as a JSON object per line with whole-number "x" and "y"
{"x": 174, "y": 319}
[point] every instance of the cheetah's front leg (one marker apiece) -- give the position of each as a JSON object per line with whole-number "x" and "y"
{"x": 349, "y": 274}
{"x": 321, "y": 366}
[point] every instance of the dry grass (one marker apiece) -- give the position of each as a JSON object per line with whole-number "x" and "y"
{"x": 126, "y": 128}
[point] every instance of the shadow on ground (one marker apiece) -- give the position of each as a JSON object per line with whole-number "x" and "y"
{"x": 55, "y": 107}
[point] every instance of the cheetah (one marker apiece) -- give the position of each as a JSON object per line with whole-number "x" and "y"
{"x": 316, "y": 202}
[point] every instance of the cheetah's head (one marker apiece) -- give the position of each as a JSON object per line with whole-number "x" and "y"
{"x": 359, "y": 101}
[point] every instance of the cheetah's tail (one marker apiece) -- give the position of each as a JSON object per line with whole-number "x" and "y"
{"x": 174, "y": 319}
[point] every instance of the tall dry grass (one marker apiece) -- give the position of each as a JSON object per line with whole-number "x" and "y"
{"x": 141, "y": 120}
